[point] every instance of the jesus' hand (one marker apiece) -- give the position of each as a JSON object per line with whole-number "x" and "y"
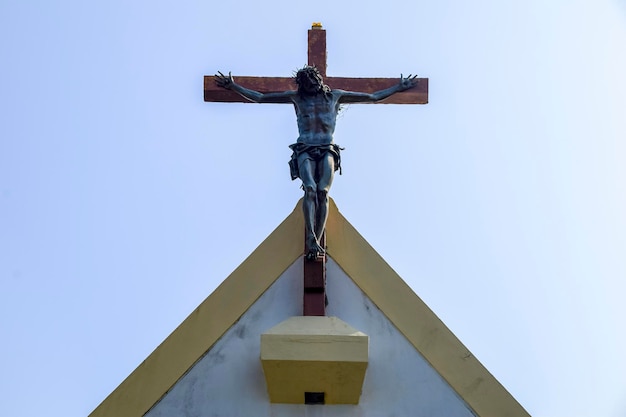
{"x": 408, "y": 82}
{"x": 224, "y": 81}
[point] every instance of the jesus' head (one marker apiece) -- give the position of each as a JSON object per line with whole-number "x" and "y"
{"x": 309, "y": 81}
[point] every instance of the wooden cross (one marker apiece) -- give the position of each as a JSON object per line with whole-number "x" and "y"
{"x": 314, "y": 300}
{"x": 317, "y": 58}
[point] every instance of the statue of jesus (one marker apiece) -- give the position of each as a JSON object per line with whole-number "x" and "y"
{"x": 315, "y": 156}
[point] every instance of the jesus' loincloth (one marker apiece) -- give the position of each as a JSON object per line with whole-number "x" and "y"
{"x": 315, "y": 153}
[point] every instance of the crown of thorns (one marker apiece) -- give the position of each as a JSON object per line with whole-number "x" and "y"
{"x": 306, "y": 71}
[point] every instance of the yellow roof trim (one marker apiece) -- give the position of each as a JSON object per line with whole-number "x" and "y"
{"x": 439, "y": 346}
{"x": 215, "y": 315}
{"x": 145, "y": 386}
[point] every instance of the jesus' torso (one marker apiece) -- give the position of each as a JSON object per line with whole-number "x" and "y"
{"x": 317, "y": 117}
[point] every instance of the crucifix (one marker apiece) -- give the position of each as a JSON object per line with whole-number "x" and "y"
{"x": 315, "y": 156}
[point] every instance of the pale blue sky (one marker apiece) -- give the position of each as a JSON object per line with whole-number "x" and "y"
{"x": 125, "y": 199}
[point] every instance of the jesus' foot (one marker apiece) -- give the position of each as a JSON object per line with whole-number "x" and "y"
{"x": 313, "y": 248}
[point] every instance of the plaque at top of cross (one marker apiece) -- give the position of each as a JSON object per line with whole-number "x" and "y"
{"x": 315, "y": 156}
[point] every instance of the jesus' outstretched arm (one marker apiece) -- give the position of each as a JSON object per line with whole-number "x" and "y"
{"x": 358, "y": 97}
{"x": 229, "y": 83}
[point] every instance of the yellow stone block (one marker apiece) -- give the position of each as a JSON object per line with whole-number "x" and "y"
{"x": 316, "y": 355}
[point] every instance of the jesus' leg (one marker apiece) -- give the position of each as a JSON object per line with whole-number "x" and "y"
{"x": 309, "y": 205}
{"x": 325, "y": 173}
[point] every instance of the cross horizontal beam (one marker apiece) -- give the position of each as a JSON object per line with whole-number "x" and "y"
{"x": 416, "y": 95}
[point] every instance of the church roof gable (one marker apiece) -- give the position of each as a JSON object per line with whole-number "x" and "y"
{"x": 216, "y": 314}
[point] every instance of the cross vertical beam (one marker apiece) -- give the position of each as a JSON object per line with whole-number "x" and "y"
{"x": 316, "y": 52}
{"x": 314, "y": 302}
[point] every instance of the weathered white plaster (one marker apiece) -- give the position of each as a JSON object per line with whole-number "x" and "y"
{"x": 228, "y": 381}
{"x": 399, "y": 381}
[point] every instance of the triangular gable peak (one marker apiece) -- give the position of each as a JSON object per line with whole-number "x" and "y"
{"x": 220, "y": 311}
